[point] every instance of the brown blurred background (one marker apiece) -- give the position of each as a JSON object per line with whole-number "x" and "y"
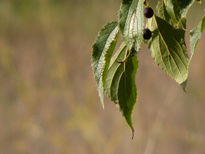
{"x": 48, "y": 98}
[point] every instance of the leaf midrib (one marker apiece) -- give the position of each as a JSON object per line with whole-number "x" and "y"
{"x": 106, "y": 46}
{"x": 170, "y": 53}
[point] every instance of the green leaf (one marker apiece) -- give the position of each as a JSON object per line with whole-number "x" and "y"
{"x": 162, "y": 12}
{"x": 120, "y": 83}
{"x": 195, "y": 35}
{"x": 115, "y": 72}
{"x": 177, "y": 9}
{"x": 168, "y": 49}
{"x": 131, "y": 21}
{"x": 101, "y": 55}
{"x": 127, "y": 93}
{"x": 173, "y": 9}
{"x": 185, "y": 6}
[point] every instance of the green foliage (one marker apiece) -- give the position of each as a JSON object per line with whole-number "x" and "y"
{"x": 127, "y": 92}
{"x": 177, "y": 9}
{"x": 195, "y": 35}
{"x": 169, "y": 52}
{"x": 115, "y": 75}
{"x": 102, "y": 52}
{"x": 115, "y": 72}
{"x": 131, "y": 22}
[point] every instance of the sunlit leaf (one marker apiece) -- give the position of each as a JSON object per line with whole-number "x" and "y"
{"x": 168, "y": 49}
{"x": 102, "y": 52}
{"x": 131, "y": 21}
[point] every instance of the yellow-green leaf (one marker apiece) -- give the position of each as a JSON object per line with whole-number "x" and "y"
{"x": 168, "y": 49}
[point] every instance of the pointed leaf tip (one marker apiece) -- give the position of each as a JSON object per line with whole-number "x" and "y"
{"x": 133, "y": 133}
{"x": 127, "y": 93}
{"x": 184, "y": 86}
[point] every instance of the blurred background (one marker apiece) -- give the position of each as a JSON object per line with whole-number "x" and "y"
{"x": 48, "y": 96}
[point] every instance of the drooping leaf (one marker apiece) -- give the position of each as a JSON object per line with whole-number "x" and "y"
{"x": 131, "y": 21}
{"x": 168, "y": 49}
{"x": 120, "y": 83}
{"x": 115, "y": 72}
{"x": 101, "y": 55}
{"x": 127, "y": 93}
{"x": 195, "y": 35}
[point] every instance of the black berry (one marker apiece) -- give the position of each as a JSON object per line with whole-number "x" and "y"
{"x": 148, "y": 12}
{"x": 145, "y": 2}
{"x": 147, "y": 34}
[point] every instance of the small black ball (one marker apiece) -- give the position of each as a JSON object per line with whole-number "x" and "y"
{"x": 147, "y": 34}
{"x": 145, "y": 2}
{"x": 148, "y": 12}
